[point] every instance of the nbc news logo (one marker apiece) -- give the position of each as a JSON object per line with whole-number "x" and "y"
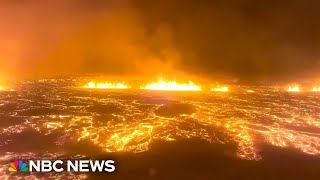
{"x": 59, "y": 166}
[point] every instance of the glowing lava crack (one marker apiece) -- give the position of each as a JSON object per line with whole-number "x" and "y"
{"x": 163, "y": 84}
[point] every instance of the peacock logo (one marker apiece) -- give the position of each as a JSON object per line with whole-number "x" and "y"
{"x": 18, "y": 166}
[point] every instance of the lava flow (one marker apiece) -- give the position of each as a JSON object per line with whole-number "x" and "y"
{"x": 106, "y": 85}
{"x": 130, "y": 121}
{"x": 163, "y": 84}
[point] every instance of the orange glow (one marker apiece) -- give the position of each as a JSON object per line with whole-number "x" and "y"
{"x": 295, "y": 88}
{"x": 163, "y": 84}
{"x": 106, "y": 85}
{"x": 1, "y": 88}
{"x": 220, "y": 89}
{"x": 250, "y": 91}
{"x": 316, "y": 89}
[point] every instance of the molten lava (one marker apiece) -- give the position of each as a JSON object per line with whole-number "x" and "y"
{"x": 316, "y": 89}
{"x": 220, "y": 89}
{"x": 106, "y": 85}
{"x": 295, "y": 88}
{"x": 163, "y": 84}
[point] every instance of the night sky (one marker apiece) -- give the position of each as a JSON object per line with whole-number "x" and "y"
{"x": 249, "y": 40}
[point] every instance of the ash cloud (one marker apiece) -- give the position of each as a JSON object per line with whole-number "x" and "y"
{"x": 248, "y": 39}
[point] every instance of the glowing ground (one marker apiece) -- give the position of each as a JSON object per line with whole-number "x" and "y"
{"x": 55, "y": 120}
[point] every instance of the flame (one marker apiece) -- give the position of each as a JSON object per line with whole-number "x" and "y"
{"x": 163, "y": 84}
{"x": 106, "y": 85}
{"x": 2, "y": 88}
{"x": 295, "y": 88}
{"x": 220, "y": 89}
{"x": 316, "y": 89}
